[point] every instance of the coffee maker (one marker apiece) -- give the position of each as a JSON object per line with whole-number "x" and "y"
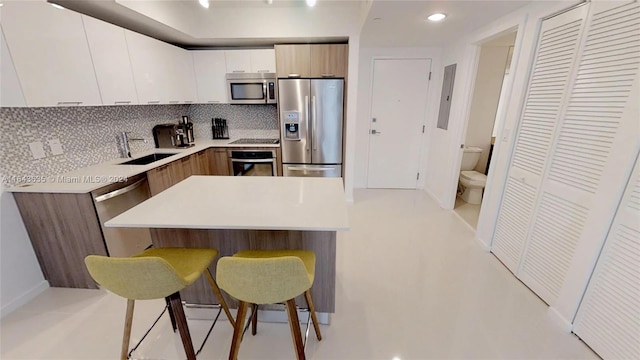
{"x": 186, "y": 128}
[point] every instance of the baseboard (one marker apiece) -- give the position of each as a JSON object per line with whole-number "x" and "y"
{"x": 559, "y": 320}
{"x": 24, "y": 298}
{"x": 484, "y": 244}
{"x": 433, "y": 196}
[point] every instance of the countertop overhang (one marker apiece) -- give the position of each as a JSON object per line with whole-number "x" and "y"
{"x": 250, "y": 203}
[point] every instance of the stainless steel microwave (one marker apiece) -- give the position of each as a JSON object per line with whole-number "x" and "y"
{"x": 252, "y": 88}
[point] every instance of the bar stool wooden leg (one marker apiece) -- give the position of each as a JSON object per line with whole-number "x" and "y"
{"x": 254, "y": 319}
{"x": 294, "y": 323}
{"x": 218, "y": 293}
{"x": 237, "y": 332}
{"x": 312, "y": 310}
{"x": 173, "y": 318}
{"x": 181, "y": 322}
{"x": 126, "y": 336}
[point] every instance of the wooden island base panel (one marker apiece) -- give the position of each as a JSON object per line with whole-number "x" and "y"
{"x": 228, "y": 242}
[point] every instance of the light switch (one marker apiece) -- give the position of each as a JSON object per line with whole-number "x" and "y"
{"x": 37, "y": 150}
{"x": 56, "y": 147}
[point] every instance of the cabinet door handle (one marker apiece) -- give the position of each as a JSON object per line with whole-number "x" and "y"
{"x": 294, "y": 75}
{"x": 238, "y": 71}
{"x": 153, "y": 102}
{"x": 161, "y": 167}
{"x": 66, "y": 103}
{"x": 122, "y": 102}
{"x": 174, "y": 101}
{"x": 328, "y": 75}
{"x": 188, "y": 102}
{"x": 263, "y": 71}
{"x": 213, "y": 101}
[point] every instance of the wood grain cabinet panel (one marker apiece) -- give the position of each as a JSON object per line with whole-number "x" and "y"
{"x": 293, "y": 60}
{"x": 329, "y": 60}
{"x": 220, "y": 162}
{"x": 159, "y": 179}
{"x": 63, "y": 229}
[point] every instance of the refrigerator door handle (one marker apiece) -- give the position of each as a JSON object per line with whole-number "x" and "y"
{"x": 306, "y": 109}
{"x": 300, "y": 168}
{"x": 313, "y": 123}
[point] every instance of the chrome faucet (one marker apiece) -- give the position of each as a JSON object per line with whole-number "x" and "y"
{"x": 126, "y": 151}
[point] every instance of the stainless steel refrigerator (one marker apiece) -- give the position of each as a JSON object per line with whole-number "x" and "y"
{"x": 311, "y": 116}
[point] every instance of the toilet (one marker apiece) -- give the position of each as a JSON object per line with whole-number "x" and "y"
{"x": 471, "y": 182}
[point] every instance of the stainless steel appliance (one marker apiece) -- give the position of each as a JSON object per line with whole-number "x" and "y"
{"x": 255, "y": 141}
{"x": 250, "y": 162}
{"x": 164, "y": 135}
{"x": 311, "y": 117}
{"x": 188, "y": 129}
{"x": 252, "y": 88}
{"x": 113, "y": 200}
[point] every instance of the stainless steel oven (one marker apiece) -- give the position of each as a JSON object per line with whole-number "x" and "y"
{"x": 252, "y": 88}
{"x": 253, "y": 162}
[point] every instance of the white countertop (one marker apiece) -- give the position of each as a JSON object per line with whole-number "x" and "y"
{"x": 245, "y": 202}
{"x": 93, "y": 177}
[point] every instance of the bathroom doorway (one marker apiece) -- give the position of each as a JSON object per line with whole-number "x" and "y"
{"x": 487, "y": 106}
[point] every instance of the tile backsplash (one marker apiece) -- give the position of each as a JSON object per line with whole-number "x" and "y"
{"x": 89, "y": 134}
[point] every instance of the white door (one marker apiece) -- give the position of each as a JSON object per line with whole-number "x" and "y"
{"x": 398, "y": 106}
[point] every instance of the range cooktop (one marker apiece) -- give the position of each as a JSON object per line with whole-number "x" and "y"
{"x": 255, "y": 141}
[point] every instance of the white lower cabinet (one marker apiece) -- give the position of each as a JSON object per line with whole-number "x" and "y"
{"x": 210, "y": 68}
{"x": 111, "y": 62}
{"x": 50, "y": 53}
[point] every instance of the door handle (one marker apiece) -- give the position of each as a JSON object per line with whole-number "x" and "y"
{"x": 306, "y": 109}
{"x": 375, "y": 132}
{"x": 313, "y": 124}
{"x": 118, "y": 192}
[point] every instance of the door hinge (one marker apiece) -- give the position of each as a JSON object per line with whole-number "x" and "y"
{"x": 429, "y": 75}
{"x": 423, "y": 129}
{"x": 418, "y": 176}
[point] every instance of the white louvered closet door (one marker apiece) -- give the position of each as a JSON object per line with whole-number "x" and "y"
{"x": 594, "y": 149}
{"x": 608, "y": 319}
{"x": 555, "y": 56}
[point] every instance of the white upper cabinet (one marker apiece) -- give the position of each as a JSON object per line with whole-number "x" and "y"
{"x": 151, "y": 62}
{"x": 10, "y": 90}
{"x": 210, "y": 68}
{"x": 183, "y": 81}
{"x": 250, "y": 61}
{"x": 238, "y": 61}
{"x": 50, "y": 53}
{"x": 111, "y": 62}
{"x": 263, "y": 60}
{"x": 163, "y": 73}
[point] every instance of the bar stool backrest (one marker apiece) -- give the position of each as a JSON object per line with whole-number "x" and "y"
{"x": 135, "y": 278}
{"x": 263, "y": 280}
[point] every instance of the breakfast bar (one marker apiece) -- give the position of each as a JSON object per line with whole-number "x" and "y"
{"x": 239, "y": 213}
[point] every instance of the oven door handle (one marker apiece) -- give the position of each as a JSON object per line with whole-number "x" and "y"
{"x": 255, "y": 161}
{"x": 299, "y": 168}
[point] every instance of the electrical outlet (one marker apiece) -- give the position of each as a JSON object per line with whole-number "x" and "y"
{"x": 37, "y": 150}
{"x": 56, "y": 147}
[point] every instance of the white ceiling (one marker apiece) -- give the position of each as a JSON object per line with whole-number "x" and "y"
{"x": 381, "y": 23}
{"x": 403, "y": 23}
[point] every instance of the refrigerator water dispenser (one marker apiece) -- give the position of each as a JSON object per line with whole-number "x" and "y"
{"x": 292, "y": 125}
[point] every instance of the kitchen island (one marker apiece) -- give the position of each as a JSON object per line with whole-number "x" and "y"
{"x": 238, "y": 213}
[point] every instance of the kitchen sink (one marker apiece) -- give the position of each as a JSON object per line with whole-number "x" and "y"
{"x": 147, "y": 159}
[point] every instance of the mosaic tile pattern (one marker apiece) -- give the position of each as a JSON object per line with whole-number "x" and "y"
{"x": 89, "y": 135}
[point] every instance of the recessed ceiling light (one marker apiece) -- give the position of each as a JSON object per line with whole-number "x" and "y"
{"x": 56, "y": 6}
{"x": 437, "y": 17}
{"x": 311, "y": 3}
{"x": 1, "y": 4}
{"x": 269, "y": 2}
{"x": 204, "y": 3}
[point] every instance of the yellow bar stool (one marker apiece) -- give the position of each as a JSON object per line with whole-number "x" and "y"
{"x": 269, "y": 277}
{"x": 155, "y": 274}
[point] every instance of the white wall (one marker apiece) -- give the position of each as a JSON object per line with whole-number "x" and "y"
{"x": 20, "y": 276}
{"x": 484, "y": 104}
{"x": 367, "y": 55}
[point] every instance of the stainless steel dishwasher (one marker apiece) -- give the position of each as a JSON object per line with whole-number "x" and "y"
{"x": 113, "y": 200}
